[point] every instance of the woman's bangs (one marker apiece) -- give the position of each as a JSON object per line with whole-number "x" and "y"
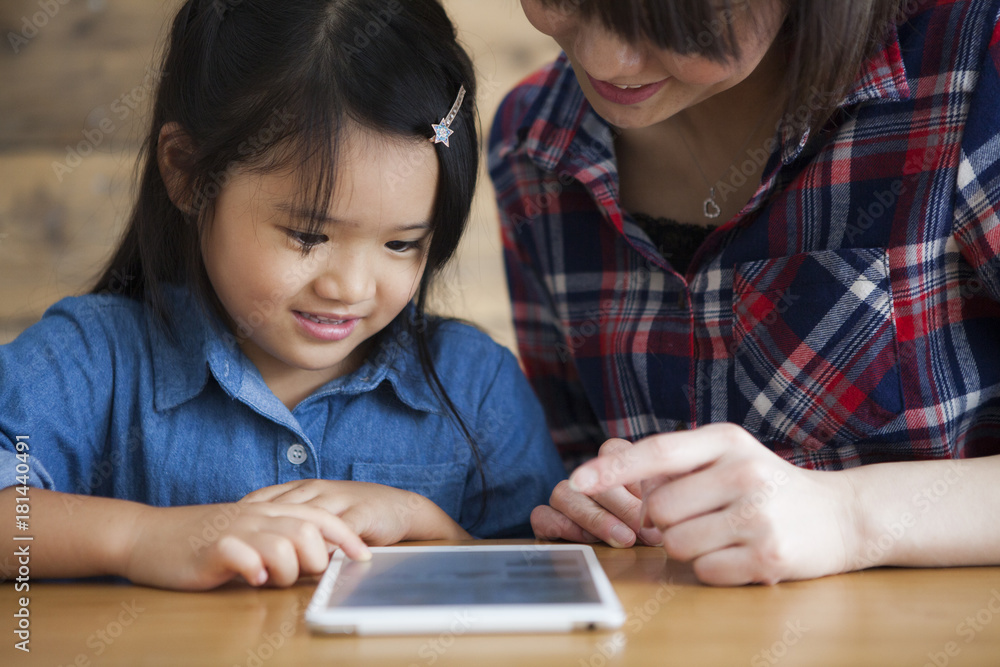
{"x": 690, "y": 27}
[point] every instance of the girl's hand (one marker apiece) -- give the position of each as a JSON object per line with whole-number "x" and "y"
{"x": 613, "y": 515}
{"x": 733, "y": 507}
{"x": 379, "y": 514}
{"x": 204, "y": 546}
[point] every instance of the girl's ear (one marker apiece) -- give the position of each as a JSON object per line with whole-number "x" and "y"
{"x": 174, "y": 151}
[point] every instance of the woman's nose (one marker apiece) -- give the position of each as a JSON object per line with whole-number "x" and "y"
{"x": 605, "y": 55}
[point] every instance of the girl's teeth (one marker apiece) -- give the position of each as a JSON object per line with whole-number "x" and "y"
{"x": 627, "y": 87}
{"x": 322, "y": 320}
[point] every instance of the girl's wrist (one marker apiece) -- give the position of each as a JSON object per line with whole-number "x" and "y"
{"x": 126, "y": 539}
{"x": 434, "y": 524}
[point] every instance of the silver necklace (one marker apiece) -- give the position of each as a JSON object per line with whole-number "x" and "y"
{"x": 710, "y": 207}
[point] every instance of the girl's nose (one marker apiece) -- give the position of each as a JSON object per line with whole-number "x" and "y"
{"x": 348, "y": 278}
{"x": 605, "y": 55}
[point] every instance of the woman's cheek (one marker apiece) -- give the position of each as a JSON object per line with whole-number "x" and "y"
{"x": 549, "y": 21}
{"x": 697, "y": 71}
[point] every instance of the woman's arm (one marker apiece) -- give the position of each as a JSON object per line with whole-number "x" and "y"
{"x": 927, "y": 513}
{"x": 188, "y": 548}
{"x": 742, "y": 514}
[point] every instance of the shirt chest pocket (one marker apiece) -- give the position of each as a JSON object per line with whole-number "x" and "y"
{"x": 443, "y": 483}
{"x": 815, "y": 356}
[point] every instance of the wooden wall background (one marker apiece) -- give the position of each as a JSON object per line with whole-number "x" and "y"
{"x": 75, "y": 84}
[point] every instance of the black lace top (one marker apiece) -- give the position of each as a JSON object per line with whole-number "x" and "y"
{"x": 676, "y": 241}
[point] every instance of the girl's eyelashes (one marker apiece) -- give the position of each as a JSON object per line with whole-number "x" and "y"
{"x": 403, "y": 246}
{"x": 306, "y": 240}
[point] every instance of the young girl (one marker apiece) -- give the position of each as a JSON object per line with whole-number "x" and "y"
{"x": 309, "y": 169}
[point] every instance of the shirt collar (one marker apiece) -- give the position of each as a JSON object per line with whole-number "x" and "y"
{"x": 201, "y": 345}
{"x": 883, "y": 79}
{"x": 884, "y": 76}
{"x": 561, "y": 112}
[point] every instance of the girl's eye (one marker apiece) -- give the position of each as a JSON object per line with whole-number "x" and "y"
{"x": 403, "y": 246}
{"x": 305, "y": 239}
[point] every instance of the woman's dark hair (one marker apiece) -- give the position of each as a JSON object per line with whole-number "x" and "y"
{"x": 273, "y": 84}
{"x": 827, "y": 42}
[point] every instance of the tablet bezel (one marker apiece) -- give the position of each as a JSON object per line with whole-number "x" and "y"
{"x": 607, "y": 613}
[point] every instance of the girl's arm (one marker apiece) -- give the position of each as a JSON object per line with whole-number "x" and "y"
{"x": 188, "y": 548}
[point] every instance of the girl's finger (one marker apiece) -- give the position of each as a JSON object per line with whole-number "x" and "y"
{"x": 335, "y": 531}
{"x": 550, "y": 524}
{"x": 279, "y": 554}
{"x": 332, "y": 528}
{"x": 676, "y": 453}
{"x": 266, "y": 494}
{"x": 237, "y": 556}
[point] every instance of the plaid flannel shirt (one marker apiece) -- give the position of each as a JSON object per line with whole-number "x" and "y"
{"x": 847, "y": 315}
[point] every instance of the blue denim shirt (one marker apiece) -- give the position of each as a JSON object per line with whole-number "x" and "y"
{"x": 113, "y": 406}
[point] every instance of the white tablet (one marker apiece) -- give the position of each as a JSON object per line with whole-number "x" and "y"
{"x": 464, "y": 590}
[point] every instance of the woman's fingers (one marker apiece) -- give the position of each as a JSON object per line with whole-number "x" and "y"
{"x": 700, "y": 536}
{"x": 668, "y": 454}
{"x": 550, "y": 524}
{"x": 735, "y": 566}
{"x": 709, "y": 490}
{"x": 594, "y": 518}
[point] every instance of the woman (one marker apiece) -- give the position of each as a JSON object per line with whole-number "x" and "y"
{"x": 769, "y": 223}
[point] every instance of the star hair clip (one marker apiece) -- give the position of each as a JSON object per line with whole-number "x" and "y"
{"x": 442, "y": 130}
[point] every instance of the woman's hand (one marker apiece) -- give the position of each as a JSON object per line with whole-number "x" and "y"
{"x": 201, "y": 547}
{"x": 379, "y": 514}
{"x": 613, "y": 515}
{"x": 733, "y": 507}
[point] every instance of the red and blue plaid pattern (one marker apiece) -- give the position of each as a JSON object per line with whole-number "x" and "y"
{"x": 848, "y": 315}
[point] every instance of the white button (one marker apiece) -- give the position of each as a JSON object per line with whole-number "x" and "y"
{"x": 297, "y": 454}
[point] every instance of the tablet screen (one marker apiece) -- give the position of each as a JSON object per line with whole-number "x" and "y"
{"x": 502, "y": 577}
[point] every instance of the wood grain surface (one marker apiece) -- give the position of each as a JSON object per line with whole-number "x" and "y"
{"x": 882, "y": 618}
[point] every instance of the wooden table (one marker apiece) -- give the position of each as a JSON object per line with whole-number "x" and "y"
{"x": 877, "y": 617}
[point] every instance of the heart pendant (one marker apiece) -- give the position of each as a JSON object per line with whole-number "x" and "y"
{"x": 711, "y": 209}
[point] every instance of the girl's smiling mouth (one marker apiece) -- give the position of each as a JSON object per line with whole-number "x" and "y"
{"x": 326, "y": 328}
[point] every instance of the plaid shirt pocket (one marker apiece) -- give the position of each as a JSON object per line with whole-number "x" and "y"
{"x": 815, "y": 358}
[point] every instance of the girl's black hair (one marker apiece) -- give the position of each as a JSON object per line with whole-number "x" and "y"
{"x": 269, "y": 84}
